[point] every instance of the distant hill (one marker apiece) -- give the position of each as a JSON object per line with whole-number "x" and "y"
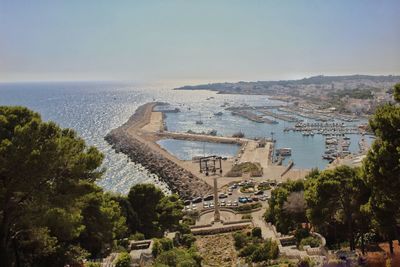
{"x": 315, "y": 82}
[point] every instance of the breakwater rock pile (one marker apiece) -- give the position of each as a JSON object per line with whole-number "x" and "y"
{"x": 178, "y": 179}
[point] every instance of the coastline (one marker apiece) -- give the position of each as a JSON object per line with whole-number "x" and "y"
{"x": 130, "y": 140}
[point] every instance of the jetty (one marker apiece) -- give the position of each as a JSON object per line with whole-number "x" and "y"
{"x": 137, "y": 138}
{"x": 129, "y": 140}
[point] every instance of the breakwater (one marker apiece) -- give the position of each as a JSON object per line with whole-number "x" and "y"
{"x": 128, "y": 140}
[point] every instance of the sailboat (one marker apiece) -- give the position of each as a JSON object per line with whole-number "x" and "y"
{"x": 199, "y": 121}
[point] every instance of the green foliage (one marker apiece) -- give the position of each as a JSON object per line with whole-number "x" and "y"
{"x": 161, "y": 245}
{"x": 256, "y": 232}
{"x": 92, "y": 264}
{"x": 49, "y": 205}
{"x": 287, "y": 206}
{"x": 137, "y": 236}
{"x": 187, "y": 240}
{"x": 300, "y": 234}
{"x": 155, "y": 212}
{"x": 381, "y": 168}
{"x": 248, "y": 207}
{"x": 123, "y": 260}
{"x": 240, "y": 240}
{"x": 247, "y": 217}
{"x": 257, "y": 252}
{"x": 396, "y": 92}
{"x": 178, "y": 257}
{"x": 334, "y": 199}
{"x": 102, "y": 222}
{"x": 310, "y": 241}
{"x": 352, "y": 93}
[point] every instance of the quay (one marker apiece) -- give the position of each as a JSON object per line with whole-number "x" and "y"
{"x": 138, "y": 138}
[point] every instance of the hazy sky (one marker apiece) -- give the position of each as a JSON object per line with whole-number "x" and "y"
{"x": 196, "y": 41}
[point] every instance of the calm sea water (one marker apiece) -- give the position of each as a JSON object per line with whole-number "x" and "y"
{"x": 93, "y": 109}
{"x": 186, "y": 150}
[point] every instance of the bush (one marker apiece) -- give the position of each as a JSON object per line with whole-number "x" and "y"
{"x": 310, "y": 241}
{"x": 248, "y": 250}
{"x": 300, "y": 234}
{"x": 248, "y": 207}
{"x": 188, "y": 220}
{"x": 92, "y": 264}
{"x": 240, "y": 240}
{"x": 137, "y": 236}
{"x": 247, "y": 217}
{"x": 123, "y": 260}
{"x": 161, "y": 245}
{"x": 256, "y": 232}
{"x": 179, "y": 257}
{"x": 187, "y": 240}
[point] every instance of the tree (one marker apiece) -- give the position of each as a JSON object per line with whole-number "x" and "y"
{"x": 47, "y": 197}
{"x": 155, "y": 211}
{"x": 103, "y": 223}
{"x": 381, "y": 168}
{"x": 282, "y": 211}
{"x": 335, "y": 197}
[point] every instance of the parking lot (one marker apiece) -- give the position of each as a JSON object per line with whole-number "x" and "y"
{"x": 233, "y": 195}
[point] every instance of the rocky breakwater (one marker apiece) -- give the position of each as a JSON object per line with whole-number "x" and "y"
{"x": 124, "y": 139}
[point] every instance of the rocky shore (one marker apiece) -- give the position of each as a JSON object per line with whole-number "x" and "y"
{"x": 179, "y": 180}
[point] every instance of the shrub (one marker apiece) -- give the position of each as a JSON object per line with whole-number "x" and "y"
{"x": 256, "y": 232}
{"x": 137, "y": 236}
{"x": 301, "y": 233}
{"x": 248, "y": 250}
{"x": 240, "y": 240}
{"x": 247, "y": 217}
{"x": 92, "y": 264}
{"x": 187, "y": 240}
{"x": 310, "y": 241}
{"x": 123, "y": 260}
{"x": 178, "y": 257}
{"x": 248, "y": 207}
{"x": 160, "y": 245}
{"x": 189, "y": 220}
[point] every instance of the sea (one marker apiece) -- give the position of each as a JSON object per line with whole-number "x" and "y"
{"x": 95, "y": 108}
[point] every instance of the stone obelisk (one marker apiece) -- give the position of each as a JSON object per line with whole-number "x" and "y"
{"x": 217, "y": 217}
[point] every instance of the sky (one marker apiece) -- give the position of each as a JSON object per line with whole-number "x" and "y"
{"x": 189, "y": 42}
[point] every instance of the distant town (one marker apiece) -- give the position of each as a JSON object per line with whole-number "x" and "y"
{"x": 353, "y": 94}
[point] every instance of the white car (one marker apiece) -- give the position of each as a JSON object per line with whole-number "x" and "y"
{"x": 206, "y": 205}
{"x": 229, "y": 203}
{"x": 235, "y": 203}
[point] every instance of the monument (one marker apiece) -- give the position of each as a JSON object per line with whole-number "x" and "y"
{"x": 217, "y": 216}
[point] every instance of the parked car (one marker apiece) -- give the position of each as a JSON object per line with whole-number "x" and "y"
{"x": 249, "y": 199}
{"x": 235, "y": 203}
{"x": 229, "y": 203}
{"x": 186, "y": 202}
{"x": 222, "y": 195}
{"x": 259, "y": 193}
{"x": 254, "y": 198}
{"x": 208, "y": 198}
{"x": 197, "y": 200}
{"x": 223, "y": 203}
{"x": 242, "y": 199}
{"x": 206, "y": 205}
